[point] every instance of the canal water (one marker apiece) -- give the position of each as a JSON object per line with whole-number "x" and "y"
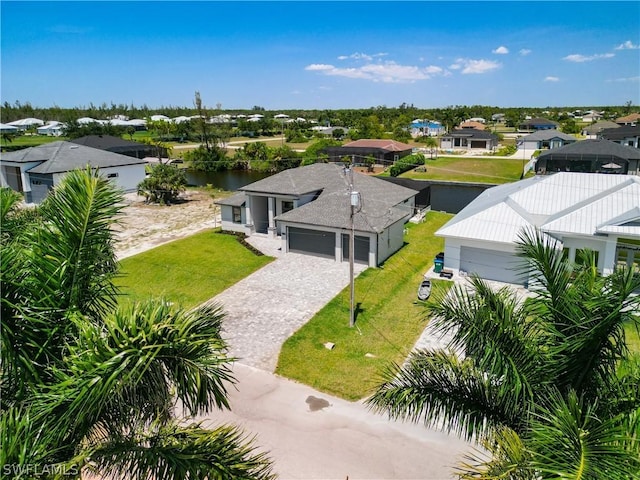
{"x": 230, "y": 180}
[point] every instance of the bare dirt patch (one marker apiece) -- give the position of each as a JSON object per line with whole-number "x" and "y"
{"x": 143, "y": 226}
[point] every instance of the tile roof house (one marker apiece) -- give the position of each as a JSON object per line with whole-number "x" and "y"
{"x": 631, "y": 119}
{"x": 468, "y": 139}
{"x": 626, "y": 135}
{"x": 545, "y": 139}
{"x": 34, "y": 171}
{"x": 581, "y": 210}
{"x": 472, "y": 124}
{"x": 309, "y": 207}
{"x": 595, "y": 156}
{"x": 384, "y": 152}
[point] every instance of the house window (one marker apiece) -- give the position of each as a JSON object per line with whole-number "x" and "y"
{"x": 237, "y": 215}
{"x": 112, "y": 175}
{"x": 287, "y": 206}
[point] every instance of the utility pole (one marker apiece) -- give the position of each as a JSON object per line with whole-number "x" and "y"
{"x": 353, "y": 201}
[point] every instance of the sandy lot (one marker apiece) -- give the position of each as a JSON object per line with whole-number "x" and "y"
{"x": 143, "y": 226}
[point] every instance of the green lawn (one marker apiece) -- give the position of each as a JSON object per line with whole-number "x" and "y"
{"x": 480, "y": 170}
{"x": 24, "y": 141}
{"x": 388, "y": 323}
{"x": 188, "y": 271}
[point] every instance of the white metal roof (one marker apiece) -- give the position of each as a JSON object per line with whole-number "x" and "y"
{"x": 565, "y": 203}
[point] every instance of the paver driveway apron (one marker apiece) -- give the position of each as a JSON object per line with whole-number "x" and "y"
{"x": 266, "y": 307}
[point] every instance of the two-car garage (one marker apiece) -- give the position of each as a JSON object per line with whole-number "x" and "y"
{"x": 323, "y": 244}
{"x": 491, "y": 264}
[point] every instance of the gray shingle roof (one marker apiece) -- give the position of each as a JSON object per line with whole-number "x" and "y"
{"x": 595, "y": 147}
{"x": 59, "y": 157}
{"x": 620, "y": 133}
{"x": 548, "y": 135}
{"x": 379, "y": 199}
{"x": 471, "y": 133}
{"x": 236, "y": 200}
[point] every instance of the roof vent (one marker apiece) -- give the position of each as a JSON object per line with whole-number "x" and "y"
{"x": 73, "y": 146}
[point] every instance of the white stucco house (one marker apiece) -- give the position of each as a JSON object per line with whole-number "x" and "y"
{"x": 581, "y": 210}
{"x": 36, "y": 170}
{"x": 309, "y": 208}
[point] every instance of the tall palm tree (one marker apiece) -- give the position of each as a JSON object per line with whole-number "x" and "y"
{"x": 88, "y": 384}
{"x": 547, "y": 385}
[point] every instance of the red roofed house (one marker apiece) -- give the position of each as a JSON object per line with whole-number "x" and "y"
{"x": 384, "y": 152}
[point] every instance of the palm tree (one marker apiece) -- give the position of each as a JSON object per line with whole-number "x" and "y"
{"x": 547, "y": 385}
{"x": 90, "y": 384}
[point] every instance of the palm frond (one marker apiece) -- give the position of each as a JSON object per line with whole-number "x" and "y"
{"x": 569, "y": 440}
{"x": 174, "y": 451}
{"x": 443, "y": 391}
{"x": 73, "y": 257}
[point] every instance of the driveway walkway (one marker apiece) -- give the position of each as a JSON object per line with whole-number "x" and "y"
{"x": 266, "y": 307}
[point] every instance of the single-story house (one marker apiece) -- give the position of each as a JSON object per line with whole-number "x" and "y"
{"x": 51, "y": 129}
{"x": 594, "y": 129}
{"x": 424, "y": 128}
{"x": 594, "y": 156}
{"x": 580, "y": 210}
{"x": 627, "y": 135}
{"x": 472, "y": 124}
{"x": 545, "y": 139}
{"x": 534, "y": 124}
{"x": 34, "y": 171}
{"x": 6, "y": 128}
{"x": 631, "y": 119}
{"x": 26, "y": 123}
{"x": 310, "y": 209}
{"x": 384, "y": 152}
{"x": 118, "y": 145}
{"x": 468, "y": 139}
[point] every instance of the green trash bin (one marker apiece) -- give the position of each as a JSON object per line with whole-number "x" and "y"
{"x": 437, "y": 265}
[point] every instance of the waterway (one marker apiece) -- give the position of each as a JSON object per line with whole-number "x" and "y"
{"x": 229, "y": 180}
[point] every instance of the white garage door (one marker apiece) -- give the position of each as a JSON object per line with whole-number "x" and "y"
{"x": 491, "y": 265}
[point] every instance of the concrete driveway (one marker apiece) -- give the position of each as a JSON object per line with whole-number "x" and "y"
{"x": 266, "y": 307}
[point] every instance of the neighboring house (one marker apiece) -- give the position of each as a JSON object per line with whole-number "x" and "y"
{"x": 594, "y": 156}
{"x": 51, "y": 129}
{"x": 631, "y": 119}
{"x": 309, "y": 207}
{"x": 426, "y": 128}
{"x": 581, "y": 210}
{"x": 468, "y": 139}
{"x": 533, "y": 124}
{"x": 36, "y": 170}
{"x": 6, "y": 128}
{"x": 592, "y": 131}
{"x": 26, "y": 123}
{"x": 384, "y": 152}
{"x": 477, "y": 119}
{"x": 545, "y": 139}
{"x": 627, "y": 135}
{"x": 118, "y": 145}
{"x": 592, "y": 117}
{"x": 472, "y": 124}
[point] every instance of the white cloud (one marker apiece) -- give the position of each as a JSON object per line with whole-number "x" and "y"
{"x": 524, "y": 52}
{"x": 362, "y": 56}
{"x": 577, "y": 58}
{"x": 551, "y": 79}
{"x": 388, "y": 72}
{"x": 475, "y": 66}
{"x": 501, "y": 50}
{"x": 627, "y": 79}
{"x": 315, "y": 67}
{"x": 628, "y": 45}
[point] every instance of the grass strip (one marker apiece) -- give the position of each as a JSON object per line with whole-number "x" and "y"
{"x": 389, "y": 321}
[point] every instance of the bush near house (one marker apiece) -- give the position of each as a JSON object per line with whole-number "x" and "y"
{"x": 406, "y": 163}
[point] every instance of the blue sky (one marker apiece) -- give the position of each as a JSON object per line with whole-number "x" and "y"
{"x": 325, "y": 55}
